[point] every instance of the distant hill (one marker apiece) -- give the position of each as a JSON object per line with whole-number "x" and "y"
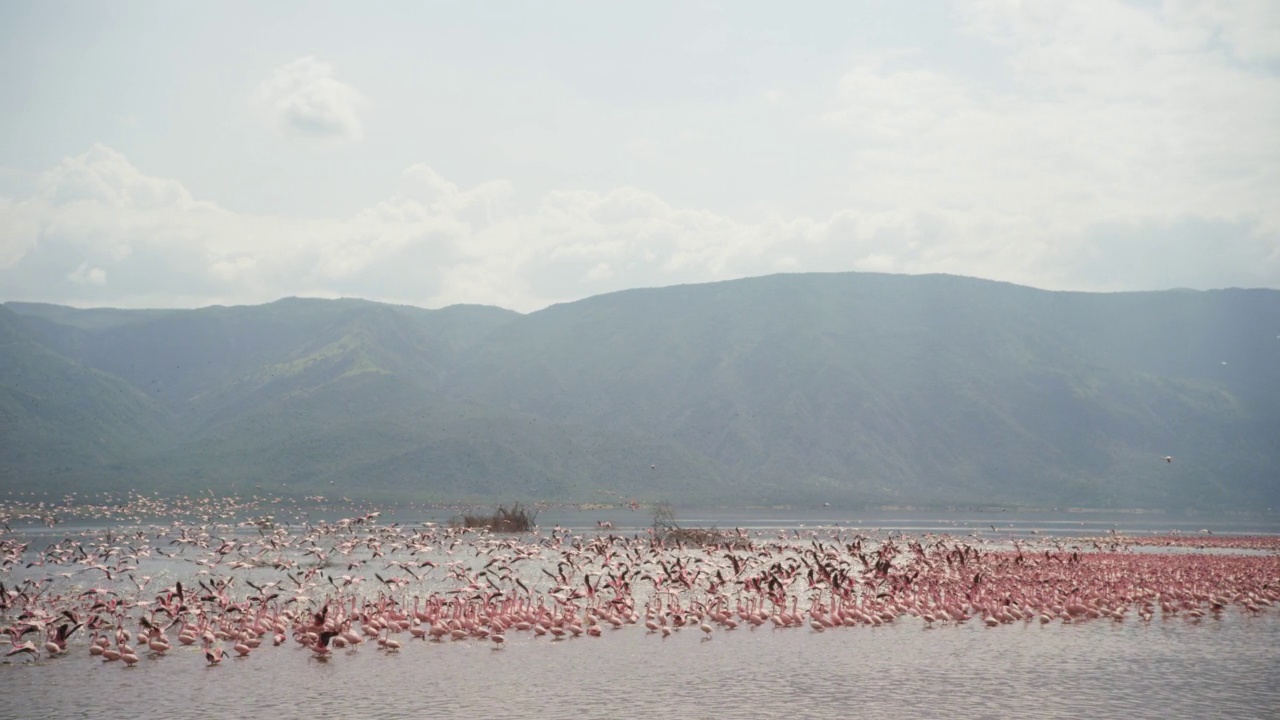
{"x": 845, "y": 388}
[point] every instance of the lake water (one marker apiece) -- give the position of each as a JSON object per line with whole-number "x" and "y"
{"x": 1228, "y": 668}
{"x": 1223, "y": 666}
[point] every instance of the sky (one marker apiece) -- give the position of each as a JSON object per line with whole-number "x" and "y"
{"x": 184, "y": 154}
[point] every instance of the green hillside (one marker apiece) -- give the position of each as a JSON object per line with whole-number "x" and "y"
{"x": 845, "y": 388}
{"x": 62, "y": 422}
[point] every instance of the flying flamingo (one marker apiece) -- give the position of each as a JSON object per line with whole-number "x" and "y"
{"x": 213, "y": 654}
{"x": 321, "y": 646}
{"x": 26, "y": 647}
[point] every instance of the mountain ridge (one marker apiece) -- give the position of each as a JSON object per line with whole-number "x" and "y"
{"x": 856, "y": 388}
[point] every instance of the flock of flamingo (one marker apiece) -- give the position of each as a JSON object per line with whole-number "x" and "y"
{"x": 233, "y": 583}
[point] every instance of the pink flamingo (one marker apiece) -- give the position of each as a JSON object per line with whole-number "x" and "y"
{"x": 320, "y": 647}
{"x": 213, "y": 653}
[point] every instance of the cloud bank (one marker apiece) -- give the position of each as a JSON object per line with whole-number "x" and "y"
{"x": 102, "y": 232}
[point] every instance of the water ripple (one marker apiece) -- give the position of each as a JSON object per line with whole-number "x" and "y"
{"x": 1225, "y": 668}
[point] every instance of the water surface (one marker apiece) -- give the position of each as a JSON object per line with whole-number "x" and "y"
{"x": 1227, "y": 668}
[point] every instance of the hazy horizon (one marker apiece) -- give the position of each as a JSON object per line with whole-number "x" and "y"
{"x": 91, "y": 306}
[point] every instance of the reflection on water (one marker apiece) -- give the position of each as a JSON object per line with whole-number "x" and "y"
{"x": 1227, "y": 668}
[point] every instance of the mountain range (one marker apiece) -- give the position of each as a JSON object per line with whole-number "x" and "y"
{"x": 848, "y": 388}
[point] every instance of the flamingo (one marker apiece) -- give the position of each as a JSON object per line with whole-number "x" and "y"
{"x": 26, "y": 647}
{"x": 389, "y": 643}
{"x": 320, "y": 647}
{"x": 213, "y": 654}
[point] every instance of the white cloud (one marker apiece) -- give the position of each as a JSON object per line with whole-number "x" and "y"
{"x": 1114, "y": 117}
{"x": 85, "y": 275}
{"x": 1249, "y": 28}
{"x": 99, "y": 231}
{"x": 19, "y": 231}
{"x": 104, "y": 176}
{"x": 599, "y": 273}
{"x": 96, "y": 216}
{"x": 303, "y": 99}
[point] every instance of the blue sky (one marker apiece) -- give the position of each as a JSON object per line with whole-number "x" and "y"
{"x": 522, "y": 154}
